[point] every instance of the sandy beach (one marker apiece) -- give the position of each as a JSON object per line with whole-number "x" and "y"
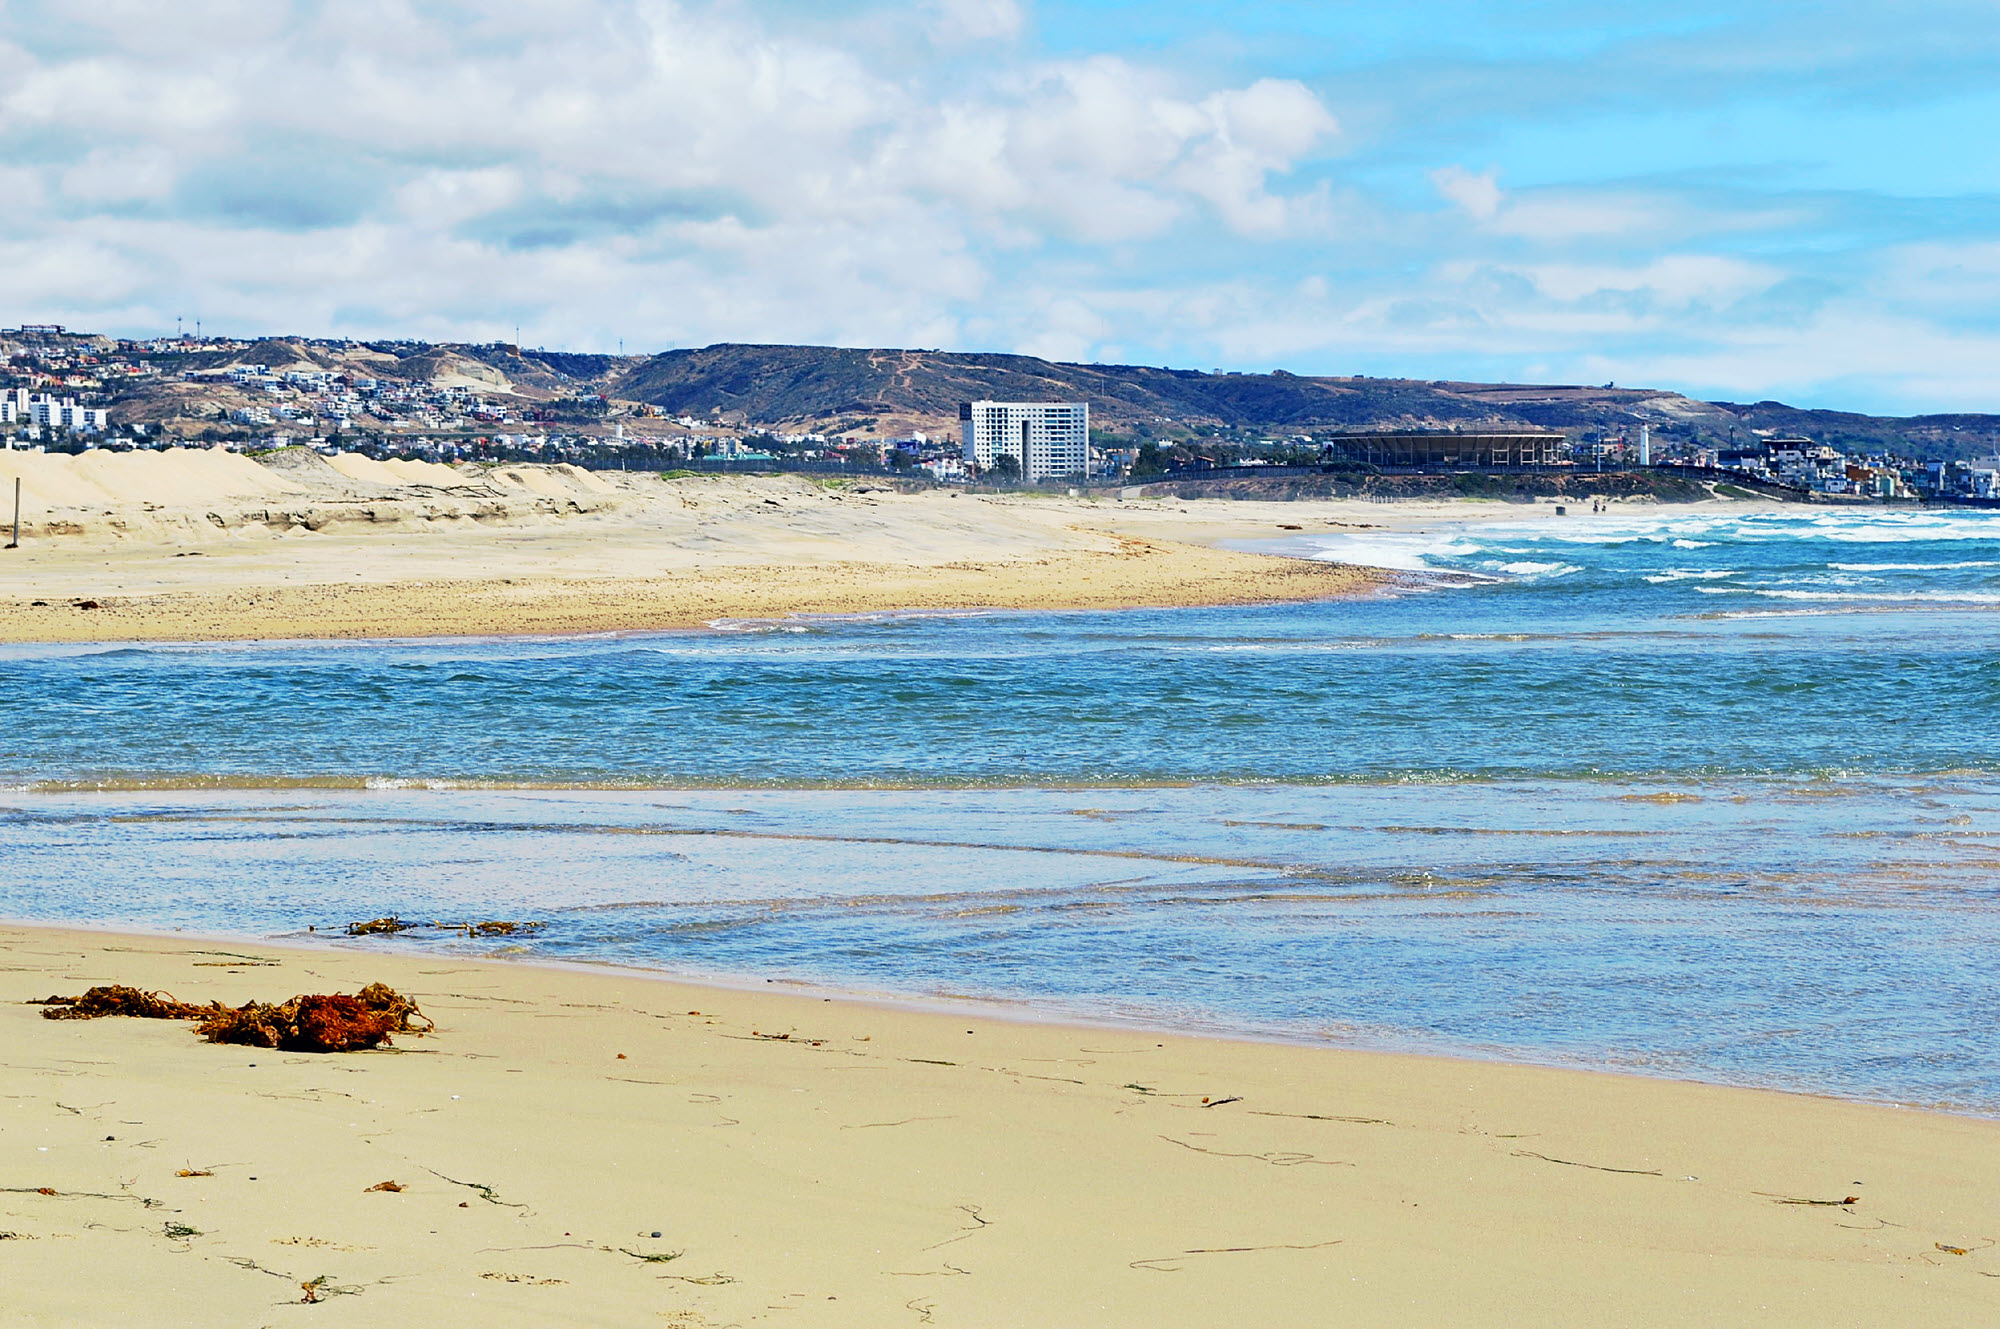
{"x": 594, "y": 1146}
{"x": 201, "y": 545}
{"x": 579, "y": 1147}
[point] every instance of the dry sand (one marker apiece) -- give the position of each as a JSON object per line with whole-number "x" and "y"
{"x": 813, "y": 1162}
{"x": 195, "y": 544}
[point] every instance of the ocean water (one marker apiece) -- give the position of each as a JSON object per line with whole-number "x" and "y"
{"x": 1715, "y": 796}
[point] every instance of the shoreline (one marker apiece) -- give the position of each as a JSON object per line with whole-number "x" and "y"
{"x": 1026, "y": 1011}
{"x": 1141, "y": 575}
{"x": 872, "y": 1164}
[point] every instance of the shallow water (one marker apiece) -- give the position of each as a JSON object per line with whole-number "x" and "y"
{"x": 1705, "y": 796}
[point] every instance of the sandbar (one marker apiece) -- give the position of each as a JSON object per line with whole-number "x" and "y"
{"x": 193, "y": 545}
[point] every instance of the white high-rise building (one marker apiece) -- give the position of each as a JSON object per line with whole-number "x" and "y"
{"x": 43, "y": 409}
{"x": 1048, "y": 439}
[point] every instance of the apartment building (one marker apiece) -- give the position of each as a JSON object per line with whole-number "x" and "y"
{"x": 1046, "y": 439}
{"x": 16, "y": 406}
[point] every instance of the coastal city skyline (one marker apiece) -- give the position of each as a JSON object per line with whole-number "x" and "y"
{"x": 944, "y": 417}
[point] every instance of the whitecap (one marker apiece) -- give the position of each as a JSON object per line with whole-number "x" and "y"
{"x": 1690, "y": 574}
{"x": 1929, "y": 597}
{"x": 1410, "y": 554}
{"x": 1527, "y": 569}
{"x": 1914, "y": 567}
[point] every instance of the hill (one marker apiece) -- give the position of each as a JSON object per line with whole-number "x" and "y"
{"x": 1953, "y": 436}
{"x": 814, "y": 385}
{"x": 884, "y": 392}
{"x": 799, "y": 384}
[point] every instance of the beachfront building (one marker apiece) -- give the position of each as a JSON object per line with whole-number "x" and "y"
{"x": 1443, "y": 449}
{"x": 1046, "y": 439}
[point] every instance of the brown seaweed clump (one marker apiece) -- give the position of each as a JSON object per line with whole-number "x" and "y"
{"x": 499, "y": 928}
{"x": 310, "y": 1022}
{"x": 117, "y": 999}
{"x": 382, "y": 998}
{"x": 318, "y": 1022}
{"x": 389, "y": 926}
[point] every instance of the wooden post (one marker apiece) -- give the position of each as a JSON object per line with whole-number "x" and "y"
{"x": 15, "y": 543}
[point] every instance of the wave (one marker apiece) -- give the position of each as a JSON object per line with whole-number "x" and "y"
{"x": 1869, "y": 597}
{"x": 1915, "y": 567}
{"x": 751, "y": 626}
{"x": 1691, "y": 574}
{"x": 1529, "y": 552}
{"x": 1727, "y": 616}
{"x": 1413, "y": 554}
{"x": 1530, "y": 570}
{"x": 1890, "y": 535}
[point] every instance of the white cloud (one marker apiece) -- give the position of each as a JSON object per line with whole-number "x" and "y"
{"x": 1560, "y": 217}
{"x": 1672, "y": 280}
{"x": 1913, "y": 365}
{"x": 1553, "y": 215}
{"x": 1066, "y": 329}
{"x": 1945, "y": 276}
{"x": 955, "y": 21}
{"x": 1110, "y": 151}
{"x": 120, "y": 175}
{"x": 1479, "y": 194}
{"x": 441, "y": 198}
{"x": 1254, "y": 133}
{"x": 548, "y": 160}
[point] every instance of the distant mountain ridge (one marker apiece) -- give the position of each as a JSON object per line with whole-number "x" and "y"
{"x": 802, "y": 383}
{"x": 814, "y": 387}
{"x": 806, "y": 384}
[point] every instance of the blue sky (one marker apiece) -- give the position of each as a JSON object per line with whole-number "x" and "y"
{"x": 1744, "y": 201}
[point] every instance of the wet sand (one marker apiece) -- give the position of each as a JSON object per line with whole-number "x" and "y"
{"x": 818, "y": 1161}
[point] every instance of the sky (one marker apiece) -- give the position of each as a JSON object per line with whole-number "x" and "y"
{"x": 1763, "y": 199}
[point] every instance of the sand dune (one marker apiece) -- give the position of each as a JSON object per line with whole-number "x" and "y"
{"x": 550, "y": 481}
{"x": 395, "y": 472}
{"x": 402, "y": 470}
{"x": 193, "y": 477}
